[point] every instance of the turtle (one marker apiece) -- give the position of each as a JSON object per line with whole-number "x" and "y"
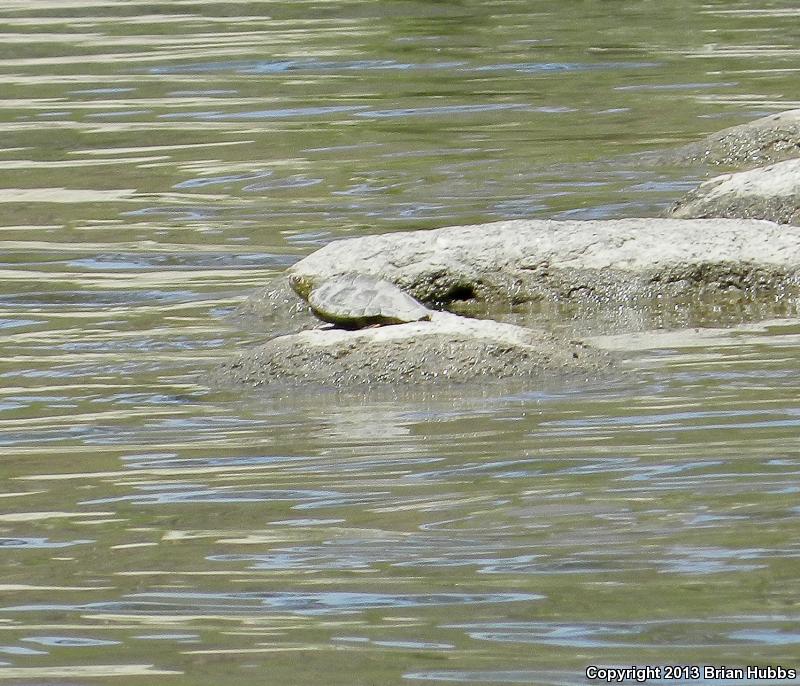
{"x": 356, "y": 301}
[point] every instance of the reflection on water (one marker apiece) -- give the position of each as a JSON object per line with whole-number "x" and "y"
{"x": 592, "y": 523}
{"x": 162, "y": 159}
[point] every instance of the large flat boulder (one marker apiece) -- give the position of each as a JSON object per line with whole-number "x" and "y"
{"x": 770, "y": 139}
{"x": 771, "y": 192}
{"x": 641, "y": 271}
{"x": 447, "y": 348}
{"x": 611, "y": 265}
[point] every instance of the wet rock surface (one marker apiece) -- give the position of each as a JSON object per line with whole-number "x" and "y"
{"x": 447, "y": 348}
{"x": 275, "y": 309}
{"x": 770, "y": 139}
{"x": 771, "y": 192}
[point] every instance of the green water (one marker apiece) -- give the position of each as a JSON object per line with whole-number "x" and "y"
{"x": 161, "y": 160}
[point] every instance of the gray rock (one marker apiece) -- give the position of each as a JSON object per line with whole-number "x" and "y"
{"x": 763, "y": 141}
{"x": 574, "y": 267}
{"x": 358, "y": 300}
{"x": 447, "y": 348}
{"x": 640, "y": 270}
{"x": 771, "y": 192}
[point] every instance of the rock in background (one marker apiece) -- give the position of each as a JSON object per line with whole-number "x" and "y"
{"x": 771, "y": 193}
{"x": 764, "y": 141}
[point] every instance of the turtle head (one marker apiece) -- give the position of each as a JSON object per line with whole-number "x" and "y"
{"x": 301, "y": 285}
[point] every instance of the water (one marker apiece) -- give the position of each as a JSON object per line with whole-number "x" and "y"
{"x": 160, "y": 160}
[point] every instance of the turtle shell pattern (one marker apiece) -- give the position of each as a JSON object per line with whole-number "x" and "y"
{"x": 359, "y": 300}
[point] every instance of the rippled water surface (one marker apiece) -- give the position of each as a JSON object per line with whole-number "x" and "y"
{"x": 160, "y": 160}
